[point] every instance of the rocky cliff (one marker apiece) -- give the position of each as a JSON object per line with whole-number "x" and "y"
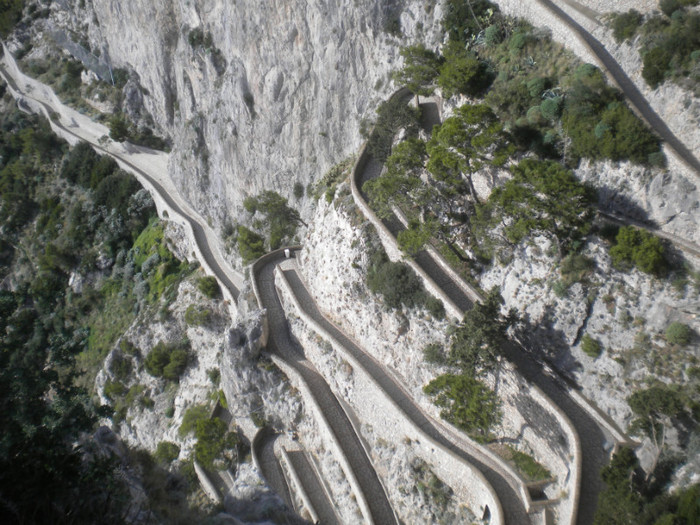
{"x": 255, "y": 95}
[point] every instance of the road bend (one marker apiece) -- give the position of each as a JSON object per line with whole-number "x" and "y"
{"x": 591, "y": 436}
{"x": 513, "y": 509}
{"x": 627, "y": 86}
{"x": 197, "y": 229}
{"x": 271, "y": 470}
{"x": 313, "y": 487}
{"x": 280, "y": 343}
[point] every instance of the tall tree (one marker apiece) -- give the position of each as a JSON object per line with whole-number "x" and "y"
{"x": 464, "y": 143}
{"x": 543, "y": 197}
{"x": 421, "y": 68}
{"x": 401, "y": 184}
{"x": 476, "y": 346}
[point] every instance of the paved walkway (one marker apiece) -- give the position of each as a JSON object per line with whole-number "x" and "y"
{"x": 628, "y": 87}
{"x": 280, "y": 343}
{"x": 271, "y": 470}
{"x": 226, "y": 275}
{"x": 313, "y": 487}
{"x": 513, "y": 507}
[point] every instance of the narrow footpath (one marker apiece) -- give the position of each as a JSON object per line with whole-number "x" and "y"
{"x": 593, "y": 440}
{"x": 628, "y": 87}
{"x": 280, "y": 343}
{"x": 513, "y": 507}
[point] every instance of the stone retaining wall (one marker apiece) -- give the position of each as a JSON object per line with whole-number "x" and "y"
{"x": 394, "y": 426}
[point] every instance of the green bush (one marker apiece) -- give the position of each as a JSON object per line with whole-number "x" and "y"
{"x": 190, "y": 418}
{"x": 396, "y": 283}
{"x": 167, "y": 452}
{"x": 392, "y": 115}
{"x": 213, "y": 440}
{"x": 625, "y": 25}
{"x": 250, "y": 244}
{"x": 167, "y": 361}
{"x": 121, "y": 367}
{"x": 209, "y": 286}
{"x": 434, "y": 354}
{"x": 119, "y": 128}
{"x": 466, "y": 402}
{"x": 298, "y": 190}
{"x": 679, "y": 334}
{"x": 528, "y": 465}
{"x": 10, "y": 14}
{"x": 517, "y": 41}
{"x": 551, "y": 108}
{"x": 493, "y": 35}
{"x": 114, "y": 390}
{"x": 656, "y": 62}
{"x": 197, "y": 316}
{"x": 435, "y": 307}
{"x": 639, "y": 248}
{"x": 590, "y": 346}
{"x": 464, "y": 19}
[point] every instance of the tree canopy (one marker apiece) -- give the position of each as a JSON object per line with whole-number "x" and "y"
{"x": 420, "y": 70}
{"x": 463, "y": 143}
{"x": 542, "y": 197}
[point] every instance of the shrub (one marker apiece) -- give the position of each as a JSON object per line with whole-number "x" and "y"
{"x": 656, "y": 62}
{"x": 639, "y": 248}
{"x": 591, "y": 346}
{"x": 528, "y": 465}
{"x": 167, "y": 452}
{"x": 197, "y": 316}
{"x": 551, "y": 108}
{"x": 678, "y": 334}
{"x": 167, "y": 361}
{"x": 209, "y": 286}
{"x": 466, "y": 402}
{"x": 114, "y": 389}
{"x": 121, "y": 367}
{"x": 392, "y": 115}
{"x": 493, "y": 35}
{"x": 435, "y": 307}
{"x": 250, "y": 244}
{"x": 434, "y": 354}
{"x": 517, "y": 41}
{"x": 668, "y": 7}
{"x": 212, "y": 440}
{"x": 118, "y": 128}
{"x": 395, "y": 282}
{"x": 625, "y": 25}
{"x": 298, "y": 190}
{"x": 189, "y": 420}
{"x": 460, "y": 19}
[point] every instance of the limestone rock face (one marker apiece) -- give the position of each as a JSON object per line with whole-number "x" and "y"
{"x": 272, "y": 93}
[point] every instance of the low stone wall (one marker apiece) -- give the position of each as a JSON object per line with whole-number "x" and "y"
{"x": 206, "y": 483}
{"x": 326, "y": 434}
{"x": 394, "y": 426}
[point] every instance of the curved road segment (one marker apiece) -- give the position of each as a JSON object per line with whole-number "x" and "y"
{"x": 280, "y": 343}
{"x": 270, "y": 468}
{"x": 199, "y": 235}
{"x": 590, "y": 434}
{"x": 513, "y": 508}
{"x": 628, "y": 87}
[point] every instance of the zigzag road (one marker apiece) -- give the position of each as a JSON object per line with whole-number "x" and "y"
{"x": 590, "y": 434}
{"x": 280, "y": 343}
{"x": 513, "y": 508}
